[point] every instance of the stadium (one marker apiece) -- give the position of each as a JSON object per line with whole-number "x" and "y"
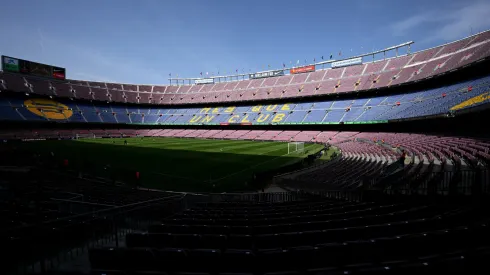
{"x": 374, "y": 163}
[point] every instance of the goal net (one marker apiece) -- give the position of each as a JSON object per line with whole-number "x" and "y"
{"x": 296, "y": 147}
{"x": 85, "y": 135}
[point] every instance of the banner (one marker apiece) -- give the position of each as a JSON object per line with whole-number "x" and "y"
{"x": 347, "y": 62}
{"x": 265, "y": 74}
{"x": 15, "y": 65}
{"x": 204, "y": 81}
{"x": 59, "y": 73}
{"x": 10, "y": 64}
{"x": 304, "y": 69}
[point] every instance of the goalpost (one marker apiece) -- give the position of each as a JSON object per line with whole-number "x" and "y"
{"x": 79, "y": 136}
{"x": 294, "y": 147}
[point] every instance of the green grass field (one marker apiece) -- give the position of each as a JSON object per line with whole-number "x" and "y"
{"x": 177, "y": 164}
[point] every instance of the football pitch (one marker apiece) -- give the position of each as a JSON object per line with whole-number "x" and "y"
{"x": 177, "y": 164}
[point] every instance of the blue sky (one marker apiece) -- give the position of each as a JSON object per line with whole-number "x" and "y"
{"x": 142, "y": 41}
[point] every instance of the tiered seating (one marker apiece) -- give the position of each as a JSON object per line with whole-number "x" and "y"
{"x": 198, "y": 133}
{"x": 325, "y": 137}
{"x": 238, "y": 134}
{"x": 430, "y": 148}
{"x": 286, "y": 136}
{"x": 210, "y": 133}
{"x": 269, "y": 135}
{"x": 426, "y": 148}
{"x": 252, "y": 135}
{"x": 312, "y": 236}
{"x": 394, "y": 71}
{"x": 306, "y": 136}
{"x": 438, "y": 101}
{"x": 223, "y": 134}
{"x": 34, "y": 223}
{"x": 358, "y": 161}
{"x": 368, "y": 154}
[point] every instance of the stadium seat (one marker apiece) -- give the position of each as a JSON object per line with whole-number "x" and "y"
{"x": 235, "y": 260}
{"x": 170, "y": 259}
{"x": 214, "y": 241}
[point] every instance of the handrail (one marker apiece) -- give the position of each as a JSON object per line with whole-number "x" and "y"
{"x": 84, "y": 202}
{"x": 97, "y": 212}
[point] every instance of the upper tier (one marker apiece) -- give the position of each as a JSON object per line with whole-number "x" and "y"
{"x": 367, "y": 76}
{"x": 417, "y": 104}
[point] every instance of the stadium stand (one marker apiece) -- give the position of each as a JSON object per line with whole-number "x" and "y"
{"x": 398, "y": 140}
{"x": 385, "y": 73}
{"x": 47, "y": 210}
{"x": 437, "y": 101}
{"x": 314, "y": 236}
{"x": 471, "y": 152}
{"x": 387, "y": 201}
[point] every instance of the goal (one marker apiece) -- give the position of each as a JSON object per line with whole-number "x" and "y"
{"x": 85, "y": 135}
{"x": 294, "y": 147}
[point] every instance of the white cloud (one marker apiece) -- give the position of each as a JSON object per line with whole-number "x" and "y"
{"x": 401, "y": 27}
{"x": 451, "y": 23}
{"x": 476, "y": 17}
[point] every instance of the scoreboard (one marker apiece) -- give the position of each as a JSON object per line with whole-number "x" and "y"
{"x": 15, "y": 65}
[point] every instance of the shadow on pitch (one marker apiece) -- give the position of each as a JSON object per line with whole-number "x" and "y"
{"x": 169, "y": 169}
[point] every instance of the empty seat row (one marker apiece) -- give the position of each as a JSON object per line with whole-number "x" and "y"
{"x": 337, "y": 254}
{"x": 258, "y": 208}
{"x": 353, "y": 219}
{"x": 282, "y": 215}
{"x": 290, "y": 239}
